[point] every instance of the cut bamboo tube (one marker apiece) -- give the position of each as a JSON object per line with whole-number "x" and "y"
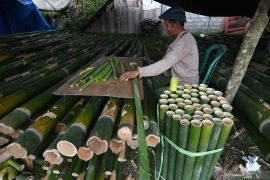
{"x": 74, "y": 137}
{"x": 100, "y": 135}
{"x": 173, "y": 137}
{"x": 62, "y": 124}
{"x": 5, "y": 171}
{"x": 206, "y": 133}
{"x": 182, "y": 143}
{"x": 162, "y": 112}
{"x": 211, "y": 146}
{"x": 19, "y": 116}
{"x": 225, "y": 131}
{"x": 85, "y": 153}
{"x": 133, "y": 143}
{"x": 28, "y": 142}
{"x": 168, "y": 122}
{"x": 51, "y": 154}
{"x": 91, "y": 168}
{"x": 109, "y": 163}
{"x": 193, "y": 142}
{"x": 116, "y": 144}
{"x": 77, "y": 168}
{"x": 127, "y": 118}
{"x": 152, "y": 134}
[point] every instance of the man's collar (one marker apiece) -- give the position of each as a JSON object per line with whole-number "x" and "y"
{"x": 183, "y": 32}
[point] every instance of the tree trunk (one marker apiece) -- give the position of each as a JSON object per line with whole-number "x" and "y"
{"x": 250, "y": 41}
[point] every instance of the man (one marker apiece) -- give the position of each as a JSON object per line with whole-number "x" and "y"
{"x": 181, "y": 56}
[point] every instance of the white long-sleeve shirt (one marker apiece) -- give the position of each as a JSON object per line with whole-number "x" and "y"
{"x": 181, "y": 56}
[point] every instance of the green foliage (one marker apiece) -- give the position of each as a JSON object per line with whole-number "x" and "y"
{"x": 80, "y": 12}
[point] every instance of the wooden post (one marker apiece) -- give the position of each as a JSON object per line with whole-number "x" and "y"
{"x": 250, "y": 41}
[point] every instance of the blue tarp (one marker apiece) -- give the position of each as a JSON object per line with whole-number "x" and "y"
{"x": 18, "y": 16}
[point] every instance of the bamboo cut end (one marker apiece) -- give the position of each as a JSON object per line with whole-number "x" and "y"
{"x": 85, "y": 153}
{"x": 196, "y": 123}
{"x": 125, "y": 133}
{"x": 207, "y": 123}
{"x": 97, "y": 145}
{"x": 17, "y": 151}
{"x": 185, "y": 122}
{"x": 228, "y": 121}
{"x": 133, "y": 143}
{"x": 145, "y": 124}
{"x": 66, "y": 148}
{"x": 3, "y": 141}
{"x": 152, "y": 140}
{"x": 6, "y": 129}
{"x": 52, "y": 156}
{"x": 117, "y": 145}
{"x": 217, "y": 120}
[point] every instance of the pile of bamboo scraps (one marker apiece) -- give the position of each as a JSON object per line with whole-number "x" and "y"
{"x": 195, "y": 122}
{"x": 99, "y": 73}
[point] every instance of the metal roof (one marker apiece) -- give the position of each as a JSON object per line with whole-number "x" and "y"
{"x": 216, "y": 7}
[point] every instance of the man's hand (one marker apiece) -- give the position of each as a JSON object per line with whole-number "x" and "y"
{"x": 129, "y": 74}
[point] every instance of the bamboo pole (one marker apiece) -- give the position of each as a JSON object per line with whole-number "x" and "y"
{"x": 206, "y": 133}
{"x": 225, "y": 131}
{"x": 19, "y": 116}
{"x": 193, "y": 142}
{"x": 28, "y": 142}
{"x": 168, "y": 121}
{"x": 74, "y": 137}
{"x": 116, "y": 144}
{"x": 182, "y": 143}
{"x": 211, "y": 146}
{"x": 101, "y": 133}
{"x": 126, "y": 124}
{"x": 173, "y": 137}
{"x": 91, "y": 168}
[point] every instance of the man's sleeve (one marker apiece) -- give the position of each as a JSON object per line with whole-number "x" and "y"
{"x": 173, "y": 55}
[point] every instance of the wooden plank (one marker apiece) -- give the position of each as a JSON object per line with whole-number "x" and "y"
{"x": 112, "y": 87}
{"x": 111, "y": 21}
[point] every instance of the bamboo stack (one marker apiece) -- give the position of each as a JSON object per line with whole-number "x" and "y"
{"x": 195, "y": 119}
{"x": 252, "y": 98}
{"x": 53, "y": 131}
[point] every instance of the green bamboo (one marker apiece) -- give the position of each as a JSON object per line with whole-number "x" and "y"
{"x": 257, "y": 137}
{"x": 13, "y": 163}
{"x": 77, "y": 168}
{"x": 91, "y": 168}
{"x": 74, "y": 137}
{"x": 19, "y": 116}
{"x": 211, "y": 146}
{"x": 101, "y": 133}
{"x": 127, "y": 119}
{"x": 173, "y": 137}
{"x": 12, "y": 174}
{"x": 5, "y": 171}
{"x": 13, "y": 100}
{"x": 193, "y": 142}
{"x": 113, "y": 66}
{"x": 167, "y": 131}
{"x": 182, "y": 143}
{"x": 28, "y": 142}
{"x": 206, "y": 133}
{"x": 57, "y": 168}
{"x": 109, "y": 162}
{"x": 68, "y": 175}
{"x": 249, "y": 104}
{"x": 225, "y": 131}
{"x": 162, "y": 113}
